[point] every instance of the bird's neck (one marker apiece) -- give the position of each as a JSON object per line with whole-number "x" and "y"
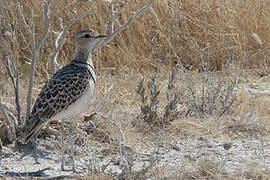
{"x": 84, "y": 55}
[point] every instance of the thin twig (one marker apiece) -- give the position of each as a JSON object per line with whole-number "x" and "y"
{"x": 112, "y": 18}
{"x": 130, "y": 19}
{"x": 57, "y": 46}
{"x": 24, "y": 21}
{"x": 16, "y": 88}
{"x": 30, "y": 31}
{"x": 35, "y": 54}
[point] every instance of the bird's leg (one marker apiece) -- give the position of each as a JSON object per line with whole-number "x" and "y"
{"x": 71, "y": 144}
{"x": 33, "y": 142}
{"x": 63, "y": 147}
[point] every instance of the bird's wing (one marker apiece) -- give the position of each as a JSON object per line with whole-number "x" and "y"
{"x": 64, "y": 88}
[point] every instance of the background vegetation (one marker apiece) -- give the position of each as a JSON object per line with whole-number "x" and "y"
{"x": 171, "y": 33}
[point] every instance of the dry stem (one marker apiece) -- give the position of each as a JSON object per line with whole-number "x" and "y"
{"x": 130, "y": 19}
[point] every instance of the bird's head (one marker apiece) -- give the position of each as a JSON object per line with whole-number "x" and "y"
{"x": 87, "y": 39}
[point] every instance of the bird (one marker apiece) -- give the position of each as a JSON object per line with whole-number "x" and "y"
{"x": 66, "y": 93}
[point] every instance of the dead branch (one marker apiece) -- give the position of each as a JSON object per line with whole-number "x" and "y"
{"x": 130, "y": 19}
{"x": 57, "y": 47}
{"x": 35, "y": 54}
{"x": 16, "y": 88}
{"x": 112, "y": 18}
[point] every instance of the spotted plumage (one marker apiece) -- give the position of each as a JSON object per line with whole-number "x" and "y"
{"x": 62, "y": 90}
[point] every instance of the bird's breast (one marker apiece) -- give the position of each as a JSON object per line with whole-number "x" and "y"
{"x": 79, "y": 105}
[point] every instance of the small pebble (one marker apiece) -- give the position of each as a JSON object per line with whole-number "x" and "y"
{"x": 176, "y": 148}
{"x": 227, "y": 146}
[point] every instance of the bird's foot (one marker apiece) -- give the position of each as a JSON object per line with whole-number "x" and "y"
{"x": 74, "y": 170}
{"x": 62, "y": 167}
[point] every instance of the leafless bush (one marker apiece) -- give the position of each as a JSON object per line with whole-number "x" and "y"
{"x": 217, "y": 95}
{"x": 149, "y": 108}
{"x": 214, "y": 94}
{"x": 174, "y": 99}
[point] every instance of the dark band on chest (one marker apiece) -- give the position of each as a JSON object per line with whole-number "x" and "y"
{"x": 79, "y": 62}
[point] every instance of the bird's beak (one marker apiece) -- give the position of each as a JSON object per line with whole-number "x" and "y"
{"x": 101, "y": 36}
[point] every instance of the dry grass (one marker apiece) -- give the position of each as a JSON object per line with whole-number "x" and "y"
{"x": 188, "y": 33}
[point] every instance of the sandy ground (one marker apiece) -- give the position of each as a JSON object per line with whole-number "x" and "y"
{"x": 236, "y": 157}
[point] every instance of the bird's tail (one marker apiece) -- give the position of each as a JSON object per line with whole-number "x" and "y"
{"x": 31, "y": 126}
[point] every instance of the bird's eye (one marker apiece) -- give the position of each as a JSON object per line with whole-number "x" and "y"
{"x": 87, "y": 36}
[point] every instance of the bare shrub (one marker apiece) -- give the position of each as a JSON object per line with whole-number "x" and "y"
{"x": 174, "y": 99}
{"x": 217, "y": 95}
{"x": 149, "y": 108}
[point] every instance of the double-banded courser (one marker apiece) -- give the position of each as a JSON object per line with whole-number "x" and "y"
{"x": 66, "y": 94}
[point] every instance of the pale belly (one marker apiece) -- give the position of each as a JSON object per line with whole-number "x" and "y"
{"x": 75, "y": 109}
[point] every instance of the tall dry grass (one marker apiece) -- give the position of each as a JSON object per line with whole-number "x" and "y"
{"x": 188, "y": 33}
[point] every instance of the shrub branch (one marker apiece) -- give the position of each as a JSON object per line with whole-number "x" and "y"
{"x": 35, "y": 54}
{"x": 15, "y": 84}
{"x": 117, "y": 31}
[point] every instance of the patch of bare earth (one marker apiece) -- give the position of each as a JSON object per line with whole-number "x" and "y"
{"x": 111, "y": 140}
